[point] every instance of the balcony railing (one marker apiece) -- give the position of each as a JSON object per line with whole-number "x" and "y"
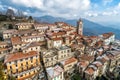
{"x": 27, "y": 71}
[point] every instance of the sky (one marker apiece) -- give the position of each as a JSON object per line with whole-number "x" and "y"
{"x": 105, "y": 11}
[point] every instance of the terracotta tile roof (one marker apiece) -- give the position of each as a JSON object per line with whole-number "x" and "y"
{"x": 60, "y": 23}
{"x": 99, "y": 43}
{"x": 77, "y": 46}
{"x": 89, "y": 71}
{"x": 35, "y": 33}
{"x": 65, "y": 24}
{"x": 107, "y": 35}
{"x": 3, "y": 49}
{"x": 68, "y": 29}
{"x": 56, "y": 39}
{"x": 3, "y": 43}
{"x": 31, "y": 37}
{"x": 59, "y": 33}
{"x": 86, "y": 57}
{"x": 16, "y": 40}
{"x": 103, "y": 60}
{"x": 68, "y": 61}
{"x": 80, "y": 40}
{"x": 89, "y": 41}
{"x": 19, "y": 55}
{"x": 83, "y": 64}
{"x": 93, "y": 37}
{"x": 97, "y": 63}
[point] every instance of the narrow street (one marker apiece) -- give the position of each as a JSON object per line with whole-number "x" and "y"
{"x": 43, "y": 66}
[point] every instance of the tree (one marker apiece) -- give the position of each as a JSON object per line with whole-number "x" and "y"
{"x": 30, "y": 19}
{"x": 2, "y": 74}
{"x": 3, "y": 18}
{"x": 11, "y": 77}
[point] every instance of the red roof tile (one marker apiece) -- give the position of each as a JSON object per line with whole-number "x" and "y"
{"x": 56, "y": 39}
{"x": 89, "y": 71}
{"x": 86, "y": 57}
{"x": 70, "y": 60}
{"x": 19, "y": 55}
{"x": 16, "y": 40}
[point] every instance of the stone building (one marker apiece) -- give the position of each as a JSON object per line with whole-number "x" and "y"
{"x": 55, "y": 73}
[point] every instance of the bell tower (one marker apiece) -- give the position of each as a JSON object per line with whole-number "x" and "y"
{"x": 80, "y": 27}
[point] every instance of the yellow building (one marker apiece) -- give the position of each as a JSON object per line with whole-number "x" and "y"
{"x": 22, "y": 65}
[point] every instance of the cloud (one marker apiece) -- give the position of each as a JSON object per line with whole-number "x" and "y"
{"x": 91, "y": 14}
{"x": 62, "y": 8}
{"x": 64, "y": 4}
{"x": 28, "y": 3}
{"x": 25, "y": 13}
{"x": 1, "y": 6}
{"x": 118, "y": 6}
{"x": 14, "y": 9}
{"x": 70, "y": 9}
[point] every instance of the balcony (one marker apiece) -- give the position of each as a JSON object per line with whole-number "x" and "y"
{"x": 27, "y": 71}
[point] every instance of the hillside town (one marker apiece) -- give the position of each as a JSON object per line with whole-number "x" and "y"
{"x": 58, "y": 51}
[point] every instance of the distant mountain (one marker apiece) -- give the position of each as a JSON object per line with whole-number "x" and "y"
{"x": 49, "y": 19}
{"x": 116, "y": 26}
{"x": 90, "y": 28}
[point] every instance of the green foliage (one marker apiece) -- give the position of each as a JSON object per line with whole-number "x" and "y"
{"x": 3, "y": 18}
{"x": 30, "y": 18}
{"x": 2, "y": 75}
{"x": 11, "y": 78}
{"x": 76, "y": 77}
